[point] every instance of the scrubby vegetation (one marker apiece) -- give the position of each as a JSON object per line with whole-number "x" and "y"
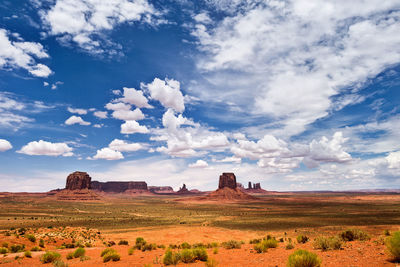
{"x": 327, "y": 243}
{"x": 303, "y": 258}
{"x": 110, "y": 254}
{"x": 17, "y": 248}
{"x": 28, "y": 254}
{"x": 123, "y": 242}
{"x": 171, "y": 257}
{"x": 50, "y": 256}
{"x": 264, "y": 245}
{"x": 302, "y": 239}
{"x": 211, "y": 263}
{"x": 79, "y": 252}
{"x": 354, "y": 234}
{"x": 393, "y": 245}
{"x": 3, "y": 250}
{"x": 31, "y": 238}
{"x": 59, "y": 263}
{"x": 289, "y": 246}
{"x": 232, "y": 244}
{"x": 186, "y": 256}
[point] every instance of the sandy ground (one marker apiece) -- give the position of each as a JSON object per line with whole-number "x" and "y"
{"x": 356, "y": 253}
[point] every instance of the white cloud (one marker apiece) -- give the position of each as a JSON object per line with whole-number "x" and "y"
{"x": 124, "y": 146}
{"x": 108, "y": 154}
{"x": 85, "y": 22}
{"x": 167, "y": 92}
{"x": 190, "y": 140}
{"x": 128, "y": 115}
{"x": 5, "y": 145}
{"x": 202, "y": 18}
{"x": 131, "y": 127}
{"x": 199, "y": 164}
{"x": 46, "y": 148}
{"x": 9, "y": 107}
{"x": 79, "y": 111}
{"x": 135, "y": 97}
{"x": 98, "y": 125}
{"x": 18, "y": 54}
{"x": 101, "y": 114}
{"x": 117, "y": 106}
{"x": 295, "y": 56}
{"x": 76, "y": 120}
{"x": 231, "y": 159}
{"x": 393, "y": 160}
{"x": 45, "y": 84}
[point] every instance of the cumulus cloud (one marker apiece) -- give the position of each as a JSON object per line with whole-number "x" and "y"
{"x": 131, "y": 127}
{"x": 167, "y": 92}
{"x": 108, "y": 154}
{"x": 79, "y": 111}
{"x": 393, "y": 160}
{"x": 185, "y": 138}
{"x": 124, "y": 146}
{"x": 295, "y": 56}
{"x": 45, "y": 148}
{"x": 20, "y": 54}
{"x": 76, "y": 120}
{"x": 134, "y": 97}
{"x": 199, "y": 164}
{"x": 5, "y": 145}
{"x": 128, "y": 115}
{"x": 85, "y": 22}
{"x": 100, "y": 114}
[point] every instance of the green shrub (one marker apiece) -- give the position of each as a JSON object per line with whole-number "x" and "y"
{"x": 255, "y": 241}
{"x": 107, "y": 250}
{"x": 265, "y": 245}
{"x": 259, "y": 248}
{"x": 215, "y": 250}
{"x": 79, "y": 252}
{"x": 41, "y": 243}
{"x": 59, "y": 263}
{"x": 211, "y": 263}
{"x": 200, "y": 254}
{"x": 393, "y": 245}
{"x": 88, "y": 245}
{"x": 327, "y": 243}
{"x": 303, "y": 258}
{"x": 31, "y": 238}
{"x": 111, "y": 256}
{"x": 70, "y": 256}
{"x": 4, "y": 245}
{"x": 149, "y": 247}
{"x": 187, "y": 256}
{"x": 214, "y": 244}
{"x": 354, "y": 234}
{"x": 50, "y": 256}
{"x": 140, "y": 242}
{"x": 36, "y": 249}
{"x": 289, "y": 246}
{"x": 171, "y": 257}
{"x": 231, "y": 244}
{"x": 110, "y": 243}
{"x": 3, "y": 250}
{"x": 28, "y": 254}
{"x": 123, "y": 242}
{"x": 386, "y": 232}
{"x": 302, "y": 239}
{"x": 17, "y": 248}
{"x": 130, "y": 251}
{"x": 84, "y": 258}
{"x": 198, "y": 245}
{"x": 185, "y": 245}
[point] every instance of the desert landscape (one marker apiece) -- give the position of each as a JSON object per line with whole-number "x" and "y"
{"x": 231, "y": 226}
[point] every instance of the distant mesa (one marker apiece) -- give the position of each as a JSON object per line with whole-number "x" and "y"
{"x": 227, "y": 179}
{"x": 161, "y": 189}
{"x": 78, "y": 180}
{"x": 119, "y": 187}
{"x": 255, "y": 188}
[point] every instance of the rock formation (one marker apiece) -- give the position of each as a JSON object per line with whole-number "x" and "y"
{"x": 249, "y": 185}
{"x": 161, "y": 189}
{"x": 227, "y": 179}
{"x": 183, "y": 190}
{"x": 78, "y": 180}
{"x": 118, "y": 187}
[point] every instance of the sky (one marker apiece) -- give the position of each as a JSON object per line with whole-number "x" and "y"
{"x": 296, "y": 95}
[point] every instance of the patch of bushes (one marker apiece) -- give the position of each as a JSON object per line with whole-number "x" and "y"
{"x": 70, "y": 256}
{"x": 232, "y": 244}
{"x": 79, "y": 252}
{"x": 3, "y": 250}
{"x": 393, "y": 245}
{"x": 28, "y": 254}
{"x": 171, "y": 257}
{"x": 17, "y": 248}
{"x": 386, "y": 232}
{"x": 215, "y": 250}
{"x": 110, "y": 255}
{"x": 50, "y": 256}
{"x": 327, "y": 243}
{"x": 140, "y": 242}
{"x": 354, "y": 234}
{"x": 303, "y": 258}
{"x": 31, "y": 238}
{"x": 130, "y": 251}
{"x": 185, "y": 245}
{"x": 185, "y": 256}
{"x": 255, "y": 241}
{"x": 110, "y": 243}
{"x": 302, "y": 239}
{"x": 123, "y": 242}
{"x": 41, "y": 243}
{"x": 36, "y": 249}
{"x": 265, "y": 245}
{"x": 289, "y": 246}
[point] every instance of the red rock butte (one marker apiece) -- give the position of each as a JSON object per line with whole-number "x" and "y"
{"x": 227, "y": 179}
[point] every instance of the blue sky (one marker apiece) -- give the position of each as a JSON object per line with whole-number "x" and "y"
{"x": 297, "y": 95}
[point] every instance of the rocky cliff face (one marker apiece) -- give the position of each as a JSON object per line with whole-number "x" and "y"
{"x": 78, "y": 180}
{"x": 227, "y": 179}
{"x": 161, "y": 189}
{"x": 118, "y": 187}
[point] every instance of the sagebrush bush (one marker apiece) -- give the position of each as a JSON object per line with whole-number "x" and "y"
{"x": 289, "y": 246}
{"x": 107, "y": 250}
{"x": 59, "y": 263}
{"x": 50, "y": 256}
{"x": 185, "y": 245}
{"x": 70, "y": 256}
{"x": 393, "y": 245}
{"x": 111, "y": 256}
{"x": 259, "y": 248}
{"x": 140, "y": 242}
{"x": 354, "y": 234}
{"x": 3, "y": 250}
{"x": 265, "y": 245}
{"x": 79, "y": 252}
{"x": 327, "y": 243}
{"x": 130, "y": 251}
{"x": 31, "y": 238}
{"x": 255, "y": 241}
{"x": 17, "y": 248}
{"x": 386, "y": 232}
{"x": 215, "y": 251}
{"x": 211, "y": 263}
{"x": 28, "y": 254}
{"x": 187, "y": 256}
{"x": 200, "y": 254}
{"x": 171, "y": 257}
{"x": 302, "y": 239}
{"x": 123, "y": 242}
{"x": 41, "y": 243}
{"x": 36, "y": 249}
{"x": 303, "y": 258}
{"x": 232, "y": 244}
